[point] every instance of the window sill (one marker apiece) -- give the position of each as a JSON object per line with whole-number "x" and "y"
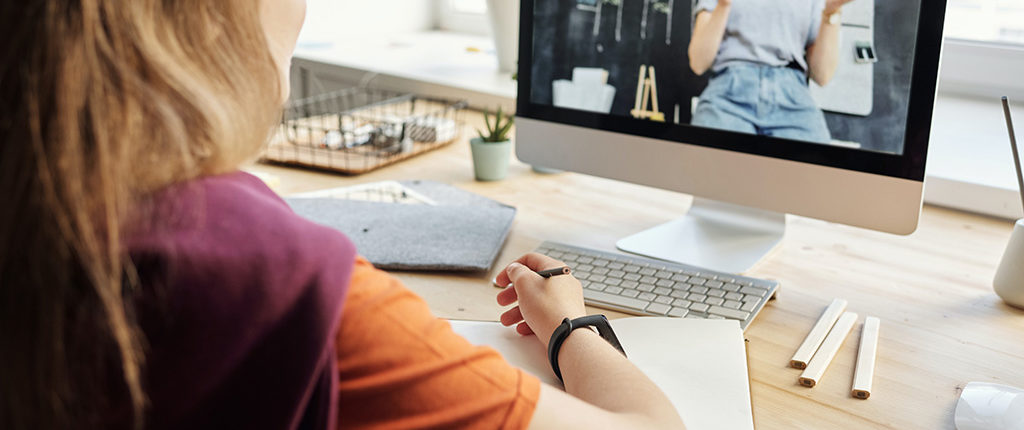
{"x": 432, "y": 63}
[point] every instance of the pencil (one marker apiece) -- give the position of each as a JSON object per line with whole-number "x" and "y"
{"x": 1013, "y": 145}
{"x": 817, "y": 335}
{"x": 564, "y": 270}
{"x": 816, "y": 368}
{"x": 865, "y": 369}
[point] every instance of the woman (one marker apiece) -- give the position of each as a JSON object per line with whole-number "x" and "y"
{"x": 146, "y": 283}
{"x": 760, "y": 53}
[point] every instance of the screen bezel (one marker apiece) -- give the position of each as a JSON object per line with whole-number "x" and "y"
{"x": 908, "y": 165}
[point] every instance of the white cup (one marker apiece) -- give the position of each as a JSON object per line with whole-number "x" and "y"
{"x": 1009, "y": 280}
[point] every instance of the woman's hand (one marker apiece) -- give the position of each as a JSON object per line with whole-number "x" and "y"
{"x": 543, "y": 303}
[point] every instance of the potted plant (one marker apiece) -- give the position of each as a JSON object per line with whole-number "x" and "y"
{"x": 492, "y": 148}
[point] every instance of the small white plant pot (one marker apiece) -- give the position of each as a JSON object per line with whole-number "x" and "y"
{"x": 490, "y": 159}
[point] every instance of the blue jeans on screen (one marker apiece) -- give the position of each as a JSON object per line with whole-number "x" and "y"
{"x": 762, "y": 100}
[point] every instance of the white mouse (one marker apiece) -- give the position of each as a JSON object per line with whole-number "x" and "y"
{"x": 985, "y": 406}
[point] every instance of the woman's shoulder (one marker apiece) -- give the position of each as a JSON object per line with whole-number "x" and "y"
{"x": 233, "y": 286}
{"x": 229, "y": 236}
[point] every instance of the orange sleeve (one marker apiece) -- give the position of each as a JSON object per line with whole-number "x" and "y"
{"x": 401, "y": 367}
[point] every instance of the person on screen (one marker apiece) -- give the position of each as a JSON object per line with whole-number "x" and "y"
{"x": 147, "y": 283}
{"x": 760, "y": 54}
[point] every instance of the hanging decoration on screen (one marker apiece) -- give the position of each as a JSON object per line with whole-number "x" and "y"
{"x": 650, "y": 6}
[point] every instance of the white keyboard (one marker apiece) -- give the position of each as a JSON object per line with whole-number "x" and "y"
{"x": 645, "y": 286}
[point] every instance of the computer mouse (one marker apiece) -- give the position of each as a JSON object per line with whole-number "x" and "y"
{"x": 986, "y": 406}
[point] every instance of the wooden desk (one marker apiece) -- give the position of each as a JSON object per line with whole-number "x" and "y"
{"x": 942, "y": 326}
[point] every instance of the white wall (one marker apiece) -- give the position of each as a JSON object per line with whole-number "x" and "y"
{"x": 328, "y": 19}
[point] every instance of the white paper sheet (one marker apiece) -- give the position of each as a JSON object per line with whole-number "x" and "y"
{"x": 701, "y": 365}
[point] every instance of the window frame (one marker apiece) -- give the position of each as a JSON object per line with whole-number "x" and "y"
{"x": 453, "y": 20}
{"x": 982, "y": 69}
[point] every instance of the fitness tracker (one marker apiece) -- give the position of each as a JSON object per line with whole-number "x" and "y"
{"x": 563, "y": 330}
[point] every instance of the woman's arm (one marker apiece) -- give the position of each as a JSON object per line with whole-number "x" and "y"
{"x": 602, "y": 388}
{"x": 823, "y": 54}
{"x": 708, "y": 31}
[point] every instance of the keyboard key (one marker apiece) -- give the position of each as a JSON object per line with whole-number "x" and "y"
{"x": 715, "y": 317}
{"x": 554, "y": 254}
{"x": 679, "y": 294}
{"x": 629, "y": 284}
{"x": 645, "y": 287}
{"x": 584, "y": 267}
{"x": 734, "y": 296}
{"x": 585, "y": 260}
{"x": 600, "y": 271}
{"x": 749, "y": 306}
{"x": 696, "y": 281}
{"x": 732, "y": 304}
{"x": 648, "y": 280}
{"x": 647, "y": 296}
{"x": 662, "y": 291}
{"x": 699, "y": 307}
{"x": 601, "y": 262}
{"x": 632, "y": 277}
{"x": 613, "y": 290}
{"x": 647, "y": 271}
{"x": 711, "y": 301}
{"x": 629, "y": 292}
{"x": 663, "y": 274}
{"x": 678, "y": 312}
{"x": 728, "y": 313}
{"x": 667, "y": 283}
{"x": 699, "y": 298}
{"x": 625, "y": 302}
{"x": 682, "y": 303}
{"x": 760, "y": 292}
{"x": 731, "y": 287}
{"x": 616, "y": 265}
{"x": 663, "y": 299}
{"x": 715, "y": 293}
{"x": 698, "y": 290}
{"x": 684, "y": 278}
{"x": 597, "y": 278}
{"x": 596, "y": 286}
{"x": 613, "y": 281}
{"x": 631, "y": 268}
{"x": 714, "y": 284}
{"x": 616, "y": 274}
{"x": 658, "y": 308}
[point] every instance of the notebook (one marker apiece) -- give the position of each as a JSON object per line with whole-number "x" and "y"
{"x": 413, "y": 225}
{"x": 701, "y": 365}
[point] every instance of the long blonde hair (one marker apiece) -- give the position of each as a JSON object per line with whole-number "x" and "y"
{"x": 104, "y": 101}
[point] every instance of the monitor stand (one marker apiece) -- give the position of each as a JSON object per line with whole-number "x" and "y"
{"x": 713, "y": 235}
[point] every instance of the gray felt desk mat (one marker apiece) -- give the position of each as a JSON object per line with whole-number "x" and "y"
{"x": 463, "y": 232}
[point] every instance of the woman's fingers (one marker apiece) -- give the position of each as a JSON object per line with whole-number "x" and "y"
{"x": 511, "y": 316}
{"x": 507, "y": 296}
{"x": 524, "y": 329}
{"x": 532, "y": 261}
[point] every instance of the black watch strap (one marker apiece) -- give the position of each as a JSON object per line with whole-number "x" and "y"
{"x": 600, "y": 322}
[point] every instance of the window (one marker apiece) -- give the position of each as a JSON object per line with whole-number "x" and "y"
{"x": 464, "y": 16}
{"x": 999, "y": 21}
{"x": 469, "y": 6}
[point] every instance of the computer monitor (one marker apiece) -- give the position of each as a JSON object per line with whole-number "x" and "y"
{"x": 758, "y": 109}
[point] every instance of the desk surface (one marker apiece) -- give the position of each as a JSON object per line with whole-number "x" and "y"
{"x": 942, "y": 326}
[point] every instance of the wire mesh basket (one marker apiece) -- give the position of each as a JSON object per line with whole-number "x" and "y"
{"x": 357, "y": 130}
